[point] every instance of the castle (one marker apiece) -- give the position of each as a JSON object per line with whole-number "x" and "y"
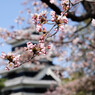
{"x": 26, "y": 81}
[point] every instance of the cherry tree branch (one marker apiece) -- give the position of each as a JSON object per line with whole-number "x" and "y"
{"x": 71, "y": 15}
{"x": 79, "y": 30}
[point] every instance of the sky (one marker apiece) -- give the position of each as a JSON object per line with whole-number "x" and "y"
{"x": 9, "y": 10}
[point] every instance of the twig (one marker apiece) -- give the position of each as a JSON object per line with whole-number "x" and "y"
{"x": 82, "y": 27}
{"x": 74, "y": 36}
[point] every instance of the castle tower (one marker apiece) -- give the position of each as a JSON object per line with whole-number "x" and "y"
{"x": 26, "y": 81}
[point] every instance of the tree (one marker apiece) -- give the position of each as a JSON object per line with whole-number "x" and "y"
{"x": 79, "y": 41}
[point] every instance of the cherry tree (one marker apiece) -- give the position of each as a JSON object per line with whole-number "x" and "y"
{"x": 73, "y": 44}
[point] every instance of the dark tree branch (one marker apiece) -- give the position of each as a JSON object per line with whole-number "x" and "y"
{"x": 92, "y": 46}
{"x": 79, "y": 30}
{"x": 80, "y": 18}
{"x": 52, "y": 6}
{"x": 71, "y": 15}
{"x": 83, "y": 27}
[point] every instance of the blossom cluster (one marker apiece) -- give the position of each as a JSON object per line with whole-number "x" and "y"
{"x": 59, "y": 20}
{"x": 39, "y": 20}
{"x": 13, "y": 60}
{"x": 37, "y": 49}
{"x": 34, "y": 49}
{"x": 41, "y": 17}
{"x": 4, "y": 33}
{"x": 65, "y": 4}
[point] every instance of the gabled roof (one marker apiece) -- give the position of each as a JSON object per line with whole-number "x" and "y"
{"x": 34, "y": 81}
{"x": 23, "y": 93}
{"x": 28, "y": 81}
{"x": 47, "y": 71}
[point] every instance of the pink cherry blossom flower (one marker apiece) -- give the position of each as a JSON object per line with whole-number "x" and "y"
{"x": 30, "y": 51}
{"x": 35, "y": 3}
{"x": 10, "y": 66}
{"x": 44, "y": 30}
{"x": 41, "y": 45}
{"x": 6, "y": 68}
{"x": 16, "y": 58}
{"x": 48, "y": 47}
{"x": 17, "y": 64}
{"x": 30, "y": 45}
{"x": 52, "y": 1}
{"x": 52, "y": 13}
{"x": 43, "y": 51}
{"x": 3, "y": 55}
{"x": 93, "y": 59}
{"x": 59, "y": 17}
{"x": 42, "y": 38}
{"x": 56, "y": 29}
{"x": 38, "y": 27}
{"x": 65, "y": 1}
{"x": 64, "y": 19}
{"x": 93, "y": 22}
{"x": 44, "y": 13}
{"x": 61, "y": 27}
{"x": 75, "y": 41}
{"x": 39, "y": 17}
{"x": 34, "y": 18}
{"x": 53, "y": 19}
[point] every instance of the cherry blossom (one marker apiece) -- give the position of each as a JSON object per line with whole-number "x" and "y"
{"x": 93, "y": 22}
{"x": 61, "y": 27}
{"x": 70, "y": 44}
{"x": 38, "y": 27}
{"x": 52, "y": 1}
{"x": 3, "y": 55}
{"x": 10, "y": 66}
{"x": 53, "y": 15}
{"x": 16, "y": 58}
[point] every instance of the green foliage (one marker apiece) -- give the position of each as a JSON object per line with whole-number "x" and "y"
{"x": 74, "y": 76}
{"x": 2, "y": 80}
{"x": 81, "y": 93}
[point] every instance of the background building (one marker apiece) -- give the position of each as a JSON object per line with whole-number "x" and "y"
{"x": 25, "y": 80}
